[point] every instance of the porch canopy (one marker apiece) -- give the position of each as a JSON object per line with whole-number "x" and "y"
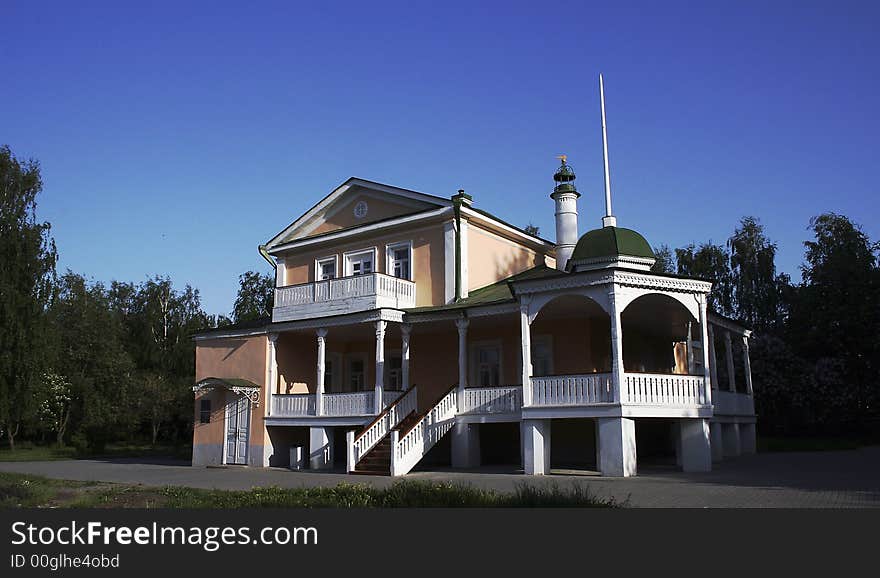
{"x": 236, "y": 385}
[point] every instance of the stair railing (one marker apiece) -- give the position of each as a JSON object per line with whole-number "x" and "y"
{"x": 357, "y": 446}
{"x": 407, "y": 448}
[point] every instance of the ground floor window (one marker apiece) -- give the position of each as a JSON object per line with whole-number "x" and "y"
{"x": 486, "y": 364}
{"x": 205, "y": 411}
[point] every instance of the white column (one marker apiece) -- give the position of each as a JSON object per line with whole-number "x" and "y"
{"x": 747, "y": 365}
{"x": 526, "y": 335}
{"x": 319, "y": 378}
{"x": 707, "y": 343}
{"x": 696, "y": 453}
{"x": 405, "y": 331}
{"x": 465, "y": 445}
{"x": 717, "y": 441}
{"x": 713, "y": 358}
{"x": 272, "y": 373}
{"x": 617, "y": 451}
{"x": 535, "y": 435}
{"x": 728, "y": 349}
{"x": 462, "y": 324}
{"x": 320, "y": 447}
{"x": 616, "y": 345}
{"x": 380, "y": 365}
{"x": 730, "y": 440}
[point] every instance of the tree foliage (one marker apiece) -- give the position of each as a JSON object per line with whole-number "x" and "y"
{"x": 27, "y": 267}
{"x": 665, "y": 260}
{"x": 710, "y": 262}
{"x": 256, "y": 293}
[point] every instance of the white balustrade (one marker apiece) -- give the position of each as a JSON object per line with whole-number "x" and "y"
{"x": 662, "y": 389}
{"x": 299, "y": 404}
{"x": 586, "y": 389}
{"x": 730, "y": 403}
{"x": 506, "y": 399}
{"x": 333, "y": 296}
{"x": 407, "y": 451}
{"x": 385, "y": 422}
{"x": 340, "y": 404}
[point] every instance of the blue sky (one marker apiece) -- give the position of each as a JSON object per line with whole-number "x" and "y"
{"x": 176, "y": 137}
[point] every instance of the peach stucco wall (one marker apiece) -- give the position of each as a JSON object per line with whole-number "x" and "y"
{"x": 243, "y": 358}
{"x": 428, "y": 267}
{"x": 492, "y": 257}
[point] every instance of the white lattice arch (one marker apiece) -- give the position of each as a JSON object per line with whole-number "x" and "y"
{"x": 597, "y": 294}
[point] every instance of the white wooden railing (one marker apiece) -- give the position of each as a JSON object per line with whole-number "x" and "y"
{"x": 402, "y": 291}
{"x": 334, "y": 404}
{"x": 506, "y": 399}
{"x": 661, "y": 389}
{"x": 357, "y": 447}
{"x": 586, "y": 389}
{"x": 407, "y": 451}
{"x": 293, "y": 405}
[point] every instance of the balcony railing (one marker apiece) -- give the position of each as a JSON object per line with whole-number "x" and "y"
{"x": 586, "y": 389}
{"x": 663, "y": 389}
{"x": 492, "y": 400}
{"x": 343, "y": 295}
{"x": 731, "y": 403}
{"x": 335, "y": 404}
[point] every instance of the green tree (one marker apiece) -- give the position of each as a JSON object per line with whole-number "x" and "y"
{"x": 756, "y": 288}
{"x": 532, "y": 230}
{"x": 835, "y": 314}
{"x": 92, "y": 357}
{"x": 665, "y": 262}
{"x": 710, "y": 262}
{"x": 256, "y": 293}
{"x": 27, "y": 268}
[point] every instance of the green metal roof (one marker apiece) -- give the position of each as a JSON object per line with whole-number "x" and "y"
{"x": 611, "y": 242}
{"x": 498, "y": 292}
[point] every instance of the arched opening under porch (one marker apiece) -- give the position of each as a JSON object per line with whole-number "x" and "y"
{"x": 660, "y": 336}
{"x": 570, "y": 335}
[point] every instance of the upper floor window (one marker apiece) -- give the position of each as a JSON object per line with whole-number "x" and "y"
{"x": 325, "y": 268}
{"x": 205, "y": 411}
{"x": 399, "y": 259}
{"x": 360, "y": 263}
{"x": 486, "y": 364}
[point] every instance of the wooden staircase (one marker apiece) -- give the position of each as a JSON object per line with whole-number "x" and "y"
{"x": 377, "y": 462}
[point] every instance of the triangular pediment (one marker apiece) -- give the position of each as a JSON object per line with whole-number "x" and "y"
{"x": 354, "y": 203}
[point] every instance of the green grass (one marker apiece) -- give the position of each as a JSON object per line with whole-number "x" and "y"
{"x": 34, "y": 453}
{"x": 806, "y": 444}
{"x": 17, "y": 490}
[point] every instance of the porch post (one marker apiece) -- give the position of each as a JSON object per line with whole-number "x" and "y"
{"x": 704, "y": 336}
{"x": 405, "y": 331}
{"x": 526, "y": 334}
{"x": 380, "y": 366}
{"x": 747, "y": 365}
{"x": 728, "y": 349}
{"x": 616, "y": 345}
{"x": 319, "y": 379}
{"x": 272, "y": 377}
{"x": 462, "y": 324}
{"x": 713, "y": 358}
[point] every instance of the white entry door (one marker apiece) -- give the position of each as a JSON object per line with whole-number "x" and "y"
{"x": 238, "y": 422}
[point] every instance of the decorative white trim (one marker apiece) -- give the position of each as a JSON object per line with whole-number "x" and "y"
{"x": 389, "y": 257}
{"x": 385, "y": 314}
{"x": 252, "y": 393}
{"x": 463, "y": 263}
{"x": 449, "y": 261}
{"x": 324, "y": 204}
{"x": 367, "y": 228}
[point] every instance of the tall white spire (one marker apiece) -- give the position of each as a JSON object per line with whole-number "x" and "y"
{"x": 608, "y": 220}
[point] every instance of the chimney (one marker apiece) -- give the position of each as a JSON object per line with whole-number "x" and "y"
{"x": 565, "y": 194}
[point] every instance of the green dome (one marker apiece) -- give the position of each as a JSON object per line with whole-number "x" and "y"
{"x": 611, "y": 242}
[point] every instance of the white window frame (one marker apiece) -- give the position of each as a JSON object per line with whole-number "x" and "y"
{"x": 389, "y": 355}
{"x": 346, "y": 259}
{"x": 319, "y": 261}
{"x": 389, "y": 258}
{"x": 474, "y": 362}
{"x": 548, "y": 341}
{"x": 346, "y": 384}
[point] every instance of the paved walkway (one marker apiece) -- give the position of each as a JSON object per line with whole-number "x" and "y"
{"x": 793, "y": 479}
